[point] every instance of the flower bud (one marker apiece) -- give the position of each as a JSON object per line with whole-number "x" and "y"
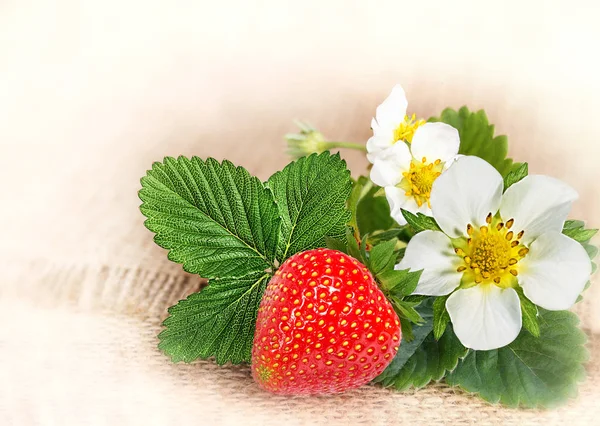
{"x": 308, "y": 141}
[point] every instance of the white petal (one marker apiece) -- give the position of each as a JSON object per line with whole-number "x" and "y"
{"x": 377, "y": 144}
{"x": 538, "y": 204}
{"x": 392, "y": 110}
{"x": 555, "y": 271}
{"x": 390, "y": 163}
{"x": 397, "y": 200}
{"x": 465, "y": 193}
{"x": 435, "y": 141}
{"x": 485, "y": 317}
{"x": 432, "y": 252}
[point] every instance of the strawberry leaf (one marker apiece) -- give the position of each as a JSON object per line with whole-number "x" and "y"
{"x": 424, "y": 358}
{"x": 311, "y": 195}
{"x": 477, "y": 137}
{"x": 214, "y": 218}
{"x": 223, "y": 224}
{"x": 531, "y": 371}
{"x": 218, "y": 321}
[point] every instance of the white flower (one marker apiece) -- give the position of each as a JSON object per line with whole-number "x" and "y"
{"x": 391, "y": 124}
{"x": 407, "y": 174}
{"x": 493, "y": 242}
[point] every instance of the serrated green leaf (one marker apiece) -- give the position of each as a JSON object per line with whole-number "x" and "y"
{"x": 382, "y": 257}
{"x": 218, "y": 321}
{"x": 530, "y": 372}
{"x": 576, "y": 229}
{"x": 529, "y": 314}
{"x": 214, "y": 218}
{"x": 420, "y": 222}
{"x": 477, "y": 137}
{"x": 515, "y": 175}
{"x": 424, "y": 358}
{"x": 441, "y": 318}
{"x": 311, "y": 194}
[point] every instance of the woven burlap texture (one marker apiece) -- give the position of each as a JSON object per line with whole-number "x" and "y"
{"x": 91, "y": 93}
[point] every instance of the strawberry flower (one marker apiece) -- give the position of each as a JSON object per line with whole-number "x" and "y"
{"x": 492, "y": 243}
{"x": 391, "y": 124}
{"x": 408, "y": 155}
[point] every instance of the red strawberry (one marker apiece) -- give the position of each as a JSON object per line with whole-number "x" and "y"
{"x": 323, "y": 326}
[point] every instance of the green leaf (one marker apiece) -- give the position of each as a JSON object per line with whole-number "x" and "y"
{"x": 407, "y": 310}
{"x": 576, "y": 229}
{"x": 420, "y": 222}
{"x": 515, "y": 175}
{"x": 360, "y": 187}
{"x": 423, "y": 359}
{"x": 531, "y": 371}
{"x": 390, "y": 234}
{"x": 373, "y": 213}
{"x": 441, "y": 318}
{"x": 399, "y": 283}
{"x": 529, "y": 314}
{"x": 353, "y": 249}
{"x": 218, "y": 321}
{"x": 591, "y": 250}
{"x": 215, "y": 219}
{"x": 382, "y": 257}
{"x": 477, "y": 137}
{"x": 335, "y": 244}
{"x": 311, "y": 194}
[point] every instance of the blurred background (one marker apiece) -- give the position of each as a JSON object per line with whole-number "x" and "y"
{"x": 92, "y": 92}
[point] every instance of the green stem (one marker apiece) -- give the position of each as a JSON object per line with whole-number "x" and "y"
{"x": 349, "y": 145}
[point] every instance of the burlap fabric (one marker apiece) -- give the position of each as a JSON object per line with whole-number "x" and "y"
{"x": 92, "y": 93}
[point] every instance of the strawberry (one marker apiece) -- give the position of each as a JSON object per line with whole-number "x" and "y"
{"x": 323, "y": 326}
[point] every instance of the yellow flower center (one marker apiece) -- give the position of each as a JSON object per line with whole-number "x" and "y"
{"x": 406, "y": 130}
{"x": 417, "y": 182}
{"x": 490, "y": 254}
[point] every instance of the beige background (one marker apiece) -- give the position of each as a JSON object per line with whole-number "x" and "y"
{"x": 92, "y": 92}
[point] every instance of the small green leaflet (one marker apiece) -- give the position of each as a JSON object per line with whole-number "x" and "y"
{"x": 530, "y": 372}
{"x": 360, "y": 187}
{"x": 424, "y": 358}
{"x": 311, "y": 194}
{"x": 477, "y": 137}
{"x": 441, "y": 318}
{"x": 382, "y": 257}
{"x": 515, "y": 175}
{"x": 576, "y": 229}
{"x": 529, "y": 314}
{"x": 223, "y": 224}
{"x": 420, "y": 222}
